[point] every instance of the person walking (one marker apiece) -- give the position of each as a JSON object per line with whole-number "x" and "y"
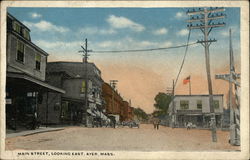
{"x": 158, "y": 124}
{"x": 154, "y": 123}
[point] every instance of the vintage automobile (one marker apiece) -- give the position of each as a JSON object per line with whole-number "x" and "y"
{"x": 130, "y": 124}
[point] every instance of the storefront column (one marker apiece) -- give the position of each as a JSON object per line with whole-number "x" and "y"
{"x": 47, "y": 108}
{"x": 203, "y": 121}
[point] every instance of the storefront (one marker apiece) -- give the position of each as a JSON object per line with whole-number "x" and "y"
{"x": 23, "y": 97}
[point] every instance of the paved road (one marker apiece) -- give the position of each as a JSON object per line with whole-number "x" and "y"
{"x": 143, "y": 139}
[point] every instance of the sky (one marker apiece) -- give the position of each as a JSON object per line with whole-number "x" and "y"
{"x": 141, "y": 75}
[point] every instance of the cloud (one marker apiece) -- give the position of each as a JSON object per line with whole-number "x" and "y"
{"x": 35, "y": 15}
{"x": 160, "y": 31}
{"x": 123, "y": 22}
{"x": 45, "y": 26}
{"x": 180, "y": 15}
{"x": 129, "y": 43}
{"x": 182, "y": 32}
{"x": 58, "y": 45}
{"x": 166, "y": 44}
{"x": 96, "y": 30}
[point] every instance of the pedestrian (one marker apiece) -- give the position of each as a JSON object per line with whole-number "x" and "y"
{"x": 114, "y": 123}
{"x": 154, "y": 123}
{"x": 157, "y": 124}
{"x": 34, "y": 121}
{"x": 188, "y": 125}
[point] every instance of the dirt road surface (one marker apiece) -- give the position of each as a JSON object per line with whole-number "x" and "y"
{"x": 123, "y": 139}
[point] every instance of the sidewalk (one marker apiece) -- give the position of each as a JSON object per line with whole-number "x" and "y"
{"x": 12, "y": 133}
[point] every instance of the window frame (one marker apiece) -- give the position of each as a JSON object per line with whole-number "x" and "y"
{"x": 215, "y": 104}
{"x": 16, "y": 24}
{"x": 186, "y": 102}
{"x": 26, "y": 34}
{"x": 199, "y": 102}
{"x": 39, "y": 62}
{"x": 18, "y": 52}
{"x": 83, "y": 85}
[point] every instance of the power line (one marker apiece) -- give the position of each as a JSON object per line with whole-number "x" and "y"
{"x": 189, "y": 33}
{"x": 145, "y": 50}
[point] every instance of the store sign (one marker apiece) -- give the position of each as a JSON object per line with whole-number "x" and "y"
{"x": 8, "y": 101}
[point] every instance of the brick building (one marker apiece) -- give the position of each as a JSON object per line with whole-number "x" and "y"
{"x": 115, "y": 105}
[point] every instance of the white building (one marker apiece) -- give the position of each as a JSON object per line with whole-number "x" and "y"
{"x": 195, "y": 109}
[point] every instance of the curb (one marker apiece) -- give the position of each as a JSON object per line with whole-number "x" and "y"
{"x": 43, "y": 131}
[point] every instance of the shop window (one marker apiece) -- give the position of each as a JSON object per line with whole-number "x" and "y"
{"x": 20, "y": 51}
{"x": 199, "y": 104}
{"x": 16, "y": 27}
{"x": 216, "y": 104}
{"x": 38, "y": 61}
{"x": 31, "y": 94}
{"x": 184, "y": 104}
{"x": 57, "y": 106}
{"x": 64, "y": 109}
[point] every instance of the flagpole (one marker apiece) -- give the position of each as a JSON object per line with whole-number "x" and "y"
{"x": 190, "y": 85}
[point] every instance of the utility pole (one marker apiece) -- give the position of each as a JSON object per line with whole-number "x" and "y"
{"x": 234, "y": 111}
{"x": 85, "y": 62}
{"x": 204, "y": 22}
{"x": 173, "y": 105}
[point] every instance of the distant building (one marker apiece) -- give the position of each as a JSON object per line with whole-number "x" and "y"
{"x": 115, "y": 105}
{"x": 25, "y": 78}
{"x": 70, "y": 107}
{"x": 195, "y": 109}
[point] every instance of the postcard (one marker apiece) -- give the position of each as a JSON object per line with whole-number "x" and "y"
{"x": 124, "y": 80}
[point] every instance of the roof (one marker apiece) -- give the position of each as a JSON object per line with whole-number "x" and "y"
{"x": 77, "y": 69}
{"x": 36, "y": 81}
{"x": 198, "y": 95}
{"x": 22, "y": 38}
{"x": 13, "y": 18}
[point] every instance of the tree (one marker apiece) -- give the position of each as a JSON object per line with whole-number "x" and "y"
{"x": 141, "y": 114}
{"x": 162, "y": 101}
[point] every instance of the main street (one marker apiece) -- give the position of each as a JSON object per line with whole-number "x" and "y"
{"x": 146, "y": 138}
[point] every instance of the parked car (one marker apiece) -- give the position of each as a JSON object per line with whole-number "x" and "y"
{"x": 130, "y": 124}
{"x": 133, "y": 124}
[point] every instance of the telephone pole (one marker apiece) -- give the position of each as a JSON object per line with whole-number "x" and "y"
{"x": 171, "y": 91}
{"x": 204, "y": 21}
{"x": 85, "y": 62}
{"x": 234, "y": 111}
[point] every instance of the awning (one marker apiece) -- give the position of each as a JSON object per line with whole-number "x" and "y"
{"x": 90, "y": 112}
{"x": 36, "y": 81}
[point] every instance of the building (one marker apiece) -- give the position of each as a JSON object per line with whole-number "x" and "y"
{"x": 195, "y": 109}
{"x": 25, "y": 77}
{"x": 115, "y": 105}
{"x": 70, "y": 108}
{"x": 113, "y": 102}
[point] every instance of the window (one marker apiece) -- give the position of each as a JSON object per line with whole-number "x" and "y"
{"x": 199, "y": 104}
{"x": 38, "y": 61}
{"x": 216, "y": 104}
{"x": 64, "y": 109}
{"x": 31, "y": 94}
{"x": 26, "y": 34}
{"x": 16, "y": 27}
{"x": 57, "y": 106}
{"x": 20, "y": 51}
{"x": 83, "y": 87}
{"x": 184, "y": 104}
